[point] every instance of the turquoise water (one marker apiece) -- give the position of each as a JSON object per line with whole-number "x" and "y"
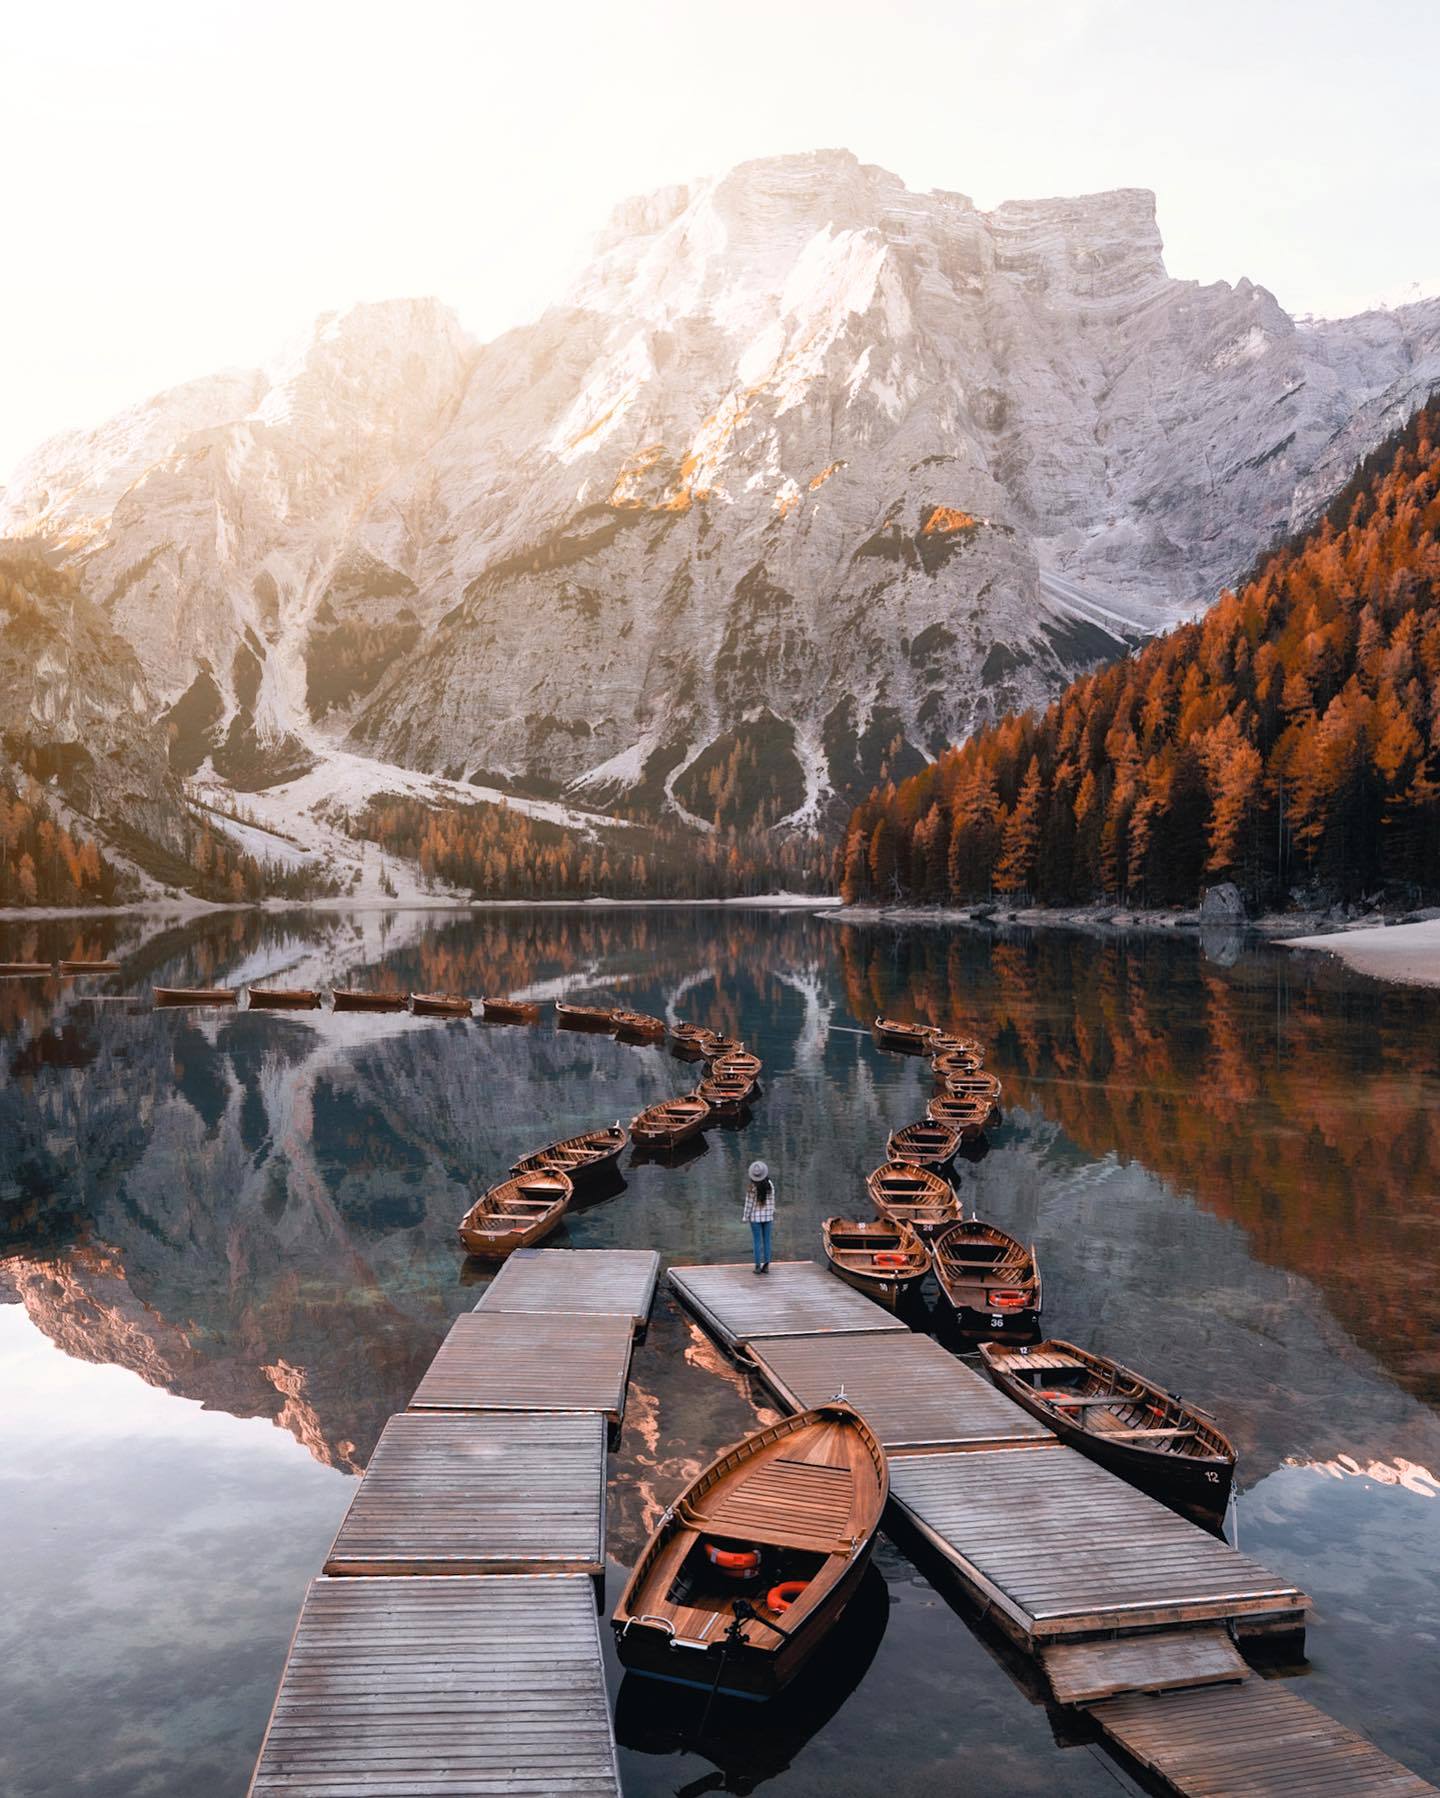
{"x": 228, "y": 1254}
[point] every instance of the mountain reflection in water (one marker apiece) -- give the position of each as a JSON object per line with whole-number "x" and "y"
{"x": 1230, "y": 1173}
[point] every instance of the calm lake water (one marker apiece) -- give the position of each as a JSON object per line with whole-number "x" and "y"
{"x": 227, "y": 1254}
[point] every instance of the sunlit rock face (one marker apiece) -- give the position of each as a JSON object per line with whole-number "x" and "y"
{"x": 806, "y": 464}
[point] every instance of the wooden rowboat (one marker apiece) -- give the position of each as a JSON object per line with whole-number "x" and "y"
{"x": 671, "y": 1122}
{"x": 577, "y": 1156}
{"x": 754, "y": 1563}
{"x": 968, "y": 1116}
{"x": 514, "y": 1214}
{"x": 194, "y": 995}
{"x": 885, "y": 1260}
{"x": 912, "y": 1195}
{"x": 941, "y": 1042}
{"x": 583, "y": 1017}
{"x": 738, "y": 1061}
{"x": 89, "y": 967}
{"x": 353, "y": 999}
{"x": 26, "y": 967}
{"x": 638, "y": 1026}
{"x": 955, "y": 1064}
{"x": 439, "y": 1005}
{"x": 909, "y": 1039}
{"x": 989, "y": 1278}
{"x": 972, "y": 1086}
{"x": 1127, "y": 1423}
{"x": 687, "y": 1040}
{"x": 283, "y": 998}
{"x": 713, "y": 1045}
{"x": 510, "y": 1011}
{"x": 727, "y": 1095}
{"x": 928, "y": 1144}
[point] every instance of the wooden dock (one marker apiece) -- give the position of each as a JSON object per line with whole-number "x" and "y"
{"x": 912, "y": 1392}
{"x": 1256, "y": 1740}
{"x": 1055, "y": 1549}
{"x": 796, "y": 1298}
{"x": 406, "y": 1686}
{"x": 577, "y": 1282}
{"x": 527, "y": 1361}
{"x": 447, "y": 1492}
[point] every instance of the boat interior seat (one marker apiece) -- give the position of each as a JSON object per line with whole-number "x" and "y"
{"x": 783, "y": 1504}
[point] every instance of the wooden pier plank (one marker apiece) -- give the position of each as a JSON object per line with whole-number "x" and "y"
{"x": 607, "y": 1282}
{"x": 911, "y": 1392}
{"x": 1082, "y": 1672}
{"x": 796, "y": 1298}
{"x": 1062, "y": 1548}
{"x": 1256, "y": 1740}
{"x": 516, "y": 1361}
{"x": 431, "y": 1686}
{"x": 488, "y": 1492}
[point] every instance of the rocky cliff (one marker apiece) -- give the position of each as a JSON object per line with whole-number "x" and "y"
{"x": 808, "y": 472}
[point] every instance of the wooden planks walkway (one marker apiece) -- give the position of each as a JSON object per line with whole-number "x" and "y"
{"x": 518, "y": 1361}
{"x": 488, "y": 1493}
{"x": 1257, "y": 1740}
{"x": 1057, "y": 1548}
{"x": 1081, "y": 1672}
{"x": 911, "y": 1392}
{"x": 796, "y": 1298}
{"x": 574, "y": 1282}
{"x": 432, "y": 1686}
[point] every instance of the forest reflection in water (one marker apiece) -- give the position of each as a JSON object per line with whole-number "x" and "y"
{"x": 1230, "y": 1173}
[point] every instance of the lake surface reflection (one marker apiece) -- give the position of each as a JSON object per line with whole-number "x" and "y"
{"x": 227, "y": 1253}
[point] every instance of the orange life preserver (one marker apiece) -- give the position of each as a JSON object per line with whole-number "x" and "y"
{"x": 781, "y": 1597}
{"x": 888, "y": 1258}
{"x": 739, "y": 1563}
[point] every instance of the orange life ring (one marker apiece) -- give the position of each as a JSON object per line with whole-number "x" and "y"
{"x": 738, "y": 1562}
{"x": 781, "y": 1597}
{"x": 888, "y": 1258}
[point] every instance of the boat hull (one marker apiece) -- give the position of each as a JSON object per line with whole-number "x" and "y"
{"x": 439, "y": 1005}
{"x": 283, "y": 999}
{"x": 600, "y": 1023}
{"x": 894, "y": 1291}
{"x": 509, "y": 1011}
{"x": 198, "y": 995}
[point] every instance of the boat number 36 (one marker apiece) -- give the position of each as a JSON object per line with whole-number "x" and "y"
{"x": 997, "y": 1323}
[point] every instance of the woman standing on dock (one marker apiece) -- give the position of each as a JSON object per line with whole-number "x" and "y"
{"x": 760, "y": 1212}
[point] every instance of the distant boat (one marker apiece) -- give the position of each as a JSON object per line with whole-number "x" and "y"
{"x": 515, "y": 1214}
{"x": 968, "y": 1116}
{"x": 74, "y": 966}
{"x": 909, "y": 1039}
{"x": 26, "y": 967}
{"x": 990, "y": 1279}
{"x": 638, "y": 1026}
{"x": 577, "y": 1156}
{"x": 955, "y": 1064}
{"x": 737, "y": 1061}
{"x": 1127, "y": 1423}
{"x": 687, "y": 1040}
{"x": 439, "y": 1005}
{"x": 510, "y": 1011}
{"x": 972, "y": 1086}
{"x": 353, "y": 999}
{"x": 283, "y": 998}
{"x": 671, "y": 1122}
{"x": 194, "y": 995}
{"x": 913, "y": 1195}
{"x": 583, "y": 1017}
{"x": 945, "y": 1042}
{"x": 753, "y": 1564}
{"x": 928, "y": 1144}
{"x": 884, "y": 1259}
{"x": 727, "y": 1095}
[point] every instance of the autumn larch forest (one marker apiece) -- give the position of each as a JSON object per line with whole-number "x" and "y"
{"x": 1288, "y": 740}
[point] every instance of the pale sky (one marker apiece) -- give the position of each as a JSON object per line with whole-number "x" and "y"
{"x": 189, "y": 182}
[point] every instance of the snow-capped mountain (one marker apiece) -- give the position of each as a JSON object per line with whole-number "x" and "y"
{"x": 806, "y": 465}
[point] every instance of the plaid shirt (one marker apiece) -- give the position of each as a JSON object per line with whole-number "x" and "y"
{"x": 759, "y": 1202}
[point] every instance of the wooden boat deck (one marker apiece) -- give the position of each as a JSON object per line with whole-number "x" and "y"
{"x": 796, "y": 1298}
{"x": 907, "y": 1388}
{"x": 1058, "y": 1549}
{"x": 577, "y": 1282}
{"x": 524, "y": 1361}
{"x": 1256, "y": 1740}
{"x": 403, "y": 1686}
{"x": 487, "y": 1493}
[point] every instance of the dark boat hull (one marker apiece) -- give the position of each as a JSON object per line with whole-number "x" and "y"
{"x": 439, "y": 1005}
{"x": 351, "y": 1001}
{"x": 749, "y": 1672}
{"x": 199, "y": 995}
{"x": 1198, "y": 1489}
{"x": 894, "y": 1292}
{"x": 283, "y": 1000}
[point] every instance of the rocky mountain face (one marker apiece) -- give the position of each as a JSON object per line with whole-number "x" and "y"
{"x": 806, "y": 475}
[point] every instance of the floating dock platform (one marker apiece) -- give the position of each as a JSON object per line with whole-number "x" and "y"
{"x": 912, "y": 1393}
{"x": 577, "y": 1282}
{"x": 401, "y": 1686}
{"x": 449, "y": 1492}
{"x": 524, "y": 1361}
{"x": 796, "y": 1298}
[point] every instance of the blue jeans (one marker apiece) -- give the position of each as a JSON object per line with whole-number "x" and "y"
{"x": 760, "y": 1236}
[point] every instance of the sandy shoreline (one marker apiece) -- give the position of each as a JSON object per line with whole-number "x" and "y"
{"x": 1409, "y": 953}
